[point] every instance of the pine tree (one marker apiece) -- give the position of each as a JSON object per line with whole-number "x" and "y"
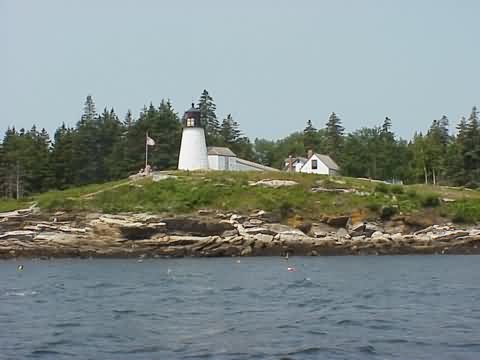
{"x": 62, "y": 157}
{"x": 386, "y": 159}
{"x": 387, "y": 126}
{"x": 86, "y": 146}
{"x": 209, "y": 119}
{"x": 436, "y": 148}
{"x": 310, "y": 137}
{"x": 334, "y": 136}
{"x": 229, "y": 131}
{"x": 89, "y": 112}
{"x": 471, "y": 150}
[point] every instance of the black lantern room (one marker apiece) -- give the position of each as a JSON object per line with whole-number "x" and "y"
{"x": 191, "y": 118}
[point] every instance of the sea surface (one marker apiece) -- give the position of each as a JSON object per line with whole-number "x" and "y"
{"x": 392, "y": 307}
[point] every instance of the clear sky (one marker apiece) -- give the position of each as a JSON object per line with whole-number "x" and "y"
{"x": 273, "y": 64}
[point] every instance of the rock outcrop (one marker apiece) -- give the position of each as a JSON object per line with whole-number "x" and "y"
{"x": 210, "y": 233}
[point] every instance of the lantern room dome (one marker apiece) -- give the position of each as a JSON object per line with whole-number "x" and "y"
{"x": 191, "y": 118}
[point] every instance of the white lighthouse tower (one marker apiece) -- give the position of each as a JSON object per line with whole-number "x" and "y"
{"x": 193, "y": 150}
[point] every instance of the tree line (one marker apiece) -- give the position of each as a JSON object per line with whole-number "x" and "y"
{"x": 438, "y": 156}
{"x": 102, "y": 147}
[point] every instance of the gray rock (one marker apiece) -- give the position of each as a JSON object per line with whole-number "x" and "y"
{"x": 259, "y": 230}
{"x": 246, "y": 251}
{"x": 343, "y": 233}
{"x": 156, "y": 177}
{"x": 274, "y": 183}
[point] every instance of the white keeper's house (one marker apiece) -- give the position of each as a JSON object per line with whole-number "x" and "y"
{"x": 313, "y": 164}
{"x": 194, "y": 154}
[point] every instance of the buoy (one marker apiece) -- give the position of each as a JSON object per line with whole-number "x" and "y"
{"x": 19, "y": 267}
{"x": 291, "y": 269}
{"x": 238, "y": 261}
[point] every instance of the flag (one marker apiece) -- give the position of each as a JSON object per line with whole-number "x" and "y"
{"x": 150, "y": 141}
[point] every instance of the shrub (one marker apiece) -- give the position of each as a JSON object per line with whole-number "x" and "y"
{"x": 412, "y": 193}
{"x": 388, "y": 211}
{"x": 397, "y": 189}
{"x": 374, "y": 206}
{"x": 466, "y": 212}
{"x": 285, "y": 209}
{"x": 382, "y": 188}
{"x": 430, "y": 200}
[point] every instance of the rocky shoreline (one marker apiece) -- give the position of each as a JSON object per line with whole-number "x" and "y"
{"x": 31, "y": 233}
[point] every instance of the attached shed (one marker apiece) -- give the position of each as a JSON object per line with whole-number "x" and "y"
{"x": 224, "y": 159}
{"x": 221, "y": 158}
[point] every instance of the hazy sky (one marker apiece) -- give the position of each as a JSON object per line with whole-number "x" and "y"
{"x": 272, "y": 64}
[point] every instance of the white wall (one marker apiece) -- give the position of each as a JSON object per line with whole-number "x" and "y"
{"x": 321, "y": 167}
{"x": 298, "y": 166}
{"x": 213, "y": 162}
{"x": 218, "y": 162}
{"x": 193, "y": 151}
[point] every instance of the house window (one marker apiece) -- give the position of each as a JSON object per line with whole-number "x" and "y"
{"x": 190, "y": 122}
{"x": 314, "y": 164}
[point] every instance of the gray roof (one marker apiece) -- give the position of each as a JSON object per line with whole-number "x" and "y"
{"x": 328, "y": 161}
{"x": 221, "y": 151}
{"x": 255, "y": 165}
{"x": 297, "y": 158}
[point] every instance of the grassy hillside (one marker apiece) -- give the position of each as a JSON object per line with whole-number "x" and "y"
{"x": 229, "y": 191}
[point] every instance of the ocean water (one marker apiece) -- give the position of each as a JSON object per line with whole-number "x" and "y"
{"x": 395, "y": 307}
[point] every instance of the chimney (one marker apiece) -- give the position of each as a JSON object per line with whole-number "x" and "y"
{"x": 309, "y": 154}
{"x": 290, "y": 163}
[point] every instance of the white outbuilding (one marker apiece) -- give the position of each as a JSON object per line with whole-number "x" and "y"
{"x": 221, "y": 158}
{"x": 224, "y": 159}
{"x": 320, "y": 164}
{"x": 314, "y": 164}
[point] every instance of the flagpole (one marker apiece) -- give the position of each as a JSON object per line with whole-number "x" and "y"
{"x": 146, "y": 151}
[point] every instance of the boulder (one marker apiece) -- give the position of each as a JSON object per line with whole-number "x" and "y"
{"x": 156, "y": 177}
{"x": 304, "y": 227}
{"x": 343, "y": 234}
{"x": 259, "y": 230}
{"x": 246, "y": 251}
{"x": 337, "y": 221}
{"x": 23, "y": 235}
{"x": 196, "y": 227}
{"x": 265, "y": 238}
{"x": 273, "y": 183}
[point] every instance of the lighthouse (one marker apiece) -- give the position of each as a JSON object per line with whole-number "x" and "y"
{"x": 193, "y": 150}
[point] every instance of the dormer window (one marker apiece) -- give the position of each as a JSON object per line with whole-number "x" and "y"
{"x": 190, "y": 122}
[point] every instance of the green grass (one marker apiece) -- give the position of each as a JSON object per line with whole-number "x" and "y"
{"x": 7, "y": 205}
{"x": 228, "y": 191}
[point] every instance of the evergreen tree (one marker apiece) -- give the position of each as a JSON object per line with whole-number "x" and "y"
{"x": 334, "y": 136}
{"x": 229, "y": 131}
{"x": 86, "y": 147}
{"x": 471, "y": 150}
{"x": 62, "y": 157}
{"x": 310, "y": 137}
{"x": 209, "y": 119}
{"x": 387, "y": 126}
{"x": 89, "y": 112}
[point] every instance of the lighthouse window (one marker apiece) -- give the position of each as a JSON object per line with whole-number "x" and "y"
{"x": 190, "y": 122}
